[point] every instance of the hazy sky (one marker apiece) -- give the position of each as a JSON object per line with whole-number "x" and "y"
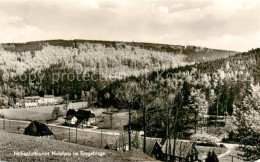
{"x": 222, "y": 24}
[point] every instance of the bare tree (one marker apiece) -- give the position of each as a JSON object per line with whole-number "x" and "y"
{"x": 91, "y": 97}
{"x": 146, "y": 95}
{"x": 127, "y": 95}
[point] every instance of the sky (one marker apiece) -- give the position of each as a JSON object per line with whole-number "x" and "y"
{"x": 220, "y": 24}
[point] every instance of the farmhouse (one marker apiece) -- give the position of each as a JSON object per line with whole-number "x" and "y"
{"x": 31, "y": 101}
{"x": 184, "y": 150}
{"x": 69, "y": 115}
{"x": 81, "y": 117}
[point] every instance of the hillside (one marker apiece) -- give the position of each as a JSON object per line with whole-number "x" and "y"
{"x": 224, "y": 87}
{"x": 11, "y": 143}
{"x": 30, "y": 68}
{"x": 113, "y": 59}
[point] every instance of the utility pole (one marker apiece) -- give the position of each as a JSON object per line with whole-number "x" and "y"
{"x": 111, "y": 120}
{"x": 76, "y": 135}
{"x": 216, "y": 116}
{"x": 67, "y": 101}
{"x": 201, "y": 125}
{"x": 83, "y": 96}
{"x": 196, "y": 122}
{"x": 69, "y": 132}
{"x": 144, "y": 123}
{"x": 225, "y": 114}
{"x": 4, "y": 124}
{"x": 168, "y": 138}
{"x": 129, "y": 127}
{"x": 101, "y": 139}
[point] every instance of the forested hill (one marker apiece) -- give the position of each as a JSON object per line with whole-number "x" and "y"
{"x": 127, "y": 58}
{"x": 225, "y": 87}
{"x": 224, "y": 82}
{"x": 109, "y": 60}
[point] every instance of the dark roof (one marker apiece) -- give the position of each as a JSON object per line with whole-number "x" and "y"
{"x": 82, "y": 114}
{"x": 69, "y": 117}
{"x": 71, "y": 112}
{"x": 182, "y": 148}
{"x": 37, "y": 129}
{"x": 150, "y": 142}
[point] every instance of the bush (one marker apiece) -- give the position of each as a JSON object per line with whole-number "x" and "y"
{"x": 222, "y": 146}
{"x": 209, "y": 144}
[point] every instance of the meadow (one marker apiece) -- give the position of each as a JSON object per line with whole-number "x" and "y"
{"x": 41, "y": 113}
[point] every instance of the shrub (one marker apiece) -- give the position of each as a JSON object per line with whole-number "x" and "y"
{"x": 209, "y": 144}
{"x": 222, "y": 146}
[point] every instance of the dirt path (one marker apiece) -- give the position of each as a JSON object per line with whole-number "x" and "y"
{"x": 224, "y": 154}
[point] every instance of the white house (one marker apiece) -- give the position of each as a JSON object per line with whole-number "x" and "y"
{"x": 31, "y": 101}
{"x": 47, "y": 100}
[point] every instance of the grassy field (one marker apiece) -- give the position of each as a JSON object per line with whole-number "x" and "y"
{"x": 118, "y": 120}
{"x": 37, "y": 113}
{"x": 11, "y": 143}
{"x": 86, "y": 137}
